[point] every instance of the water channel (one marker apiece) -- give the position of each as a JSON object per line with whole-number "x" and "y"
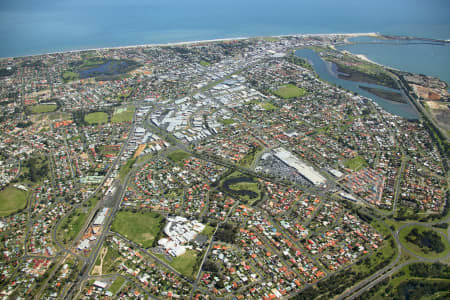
{"x": 328, "y": 72}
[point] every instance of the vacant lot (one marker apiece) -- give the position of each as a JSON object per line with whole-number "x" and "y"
{"x": 142, "y": 227}
{"x": 289, "y": 91}
{"x": 12, "y": 200}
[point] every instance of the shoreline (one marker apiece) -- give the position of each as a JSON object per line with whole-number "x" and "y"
{"x": 348, "y": 35}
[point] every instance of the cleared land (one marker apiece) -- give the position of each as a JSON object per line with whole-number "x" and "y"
{"x": 123, "y": 115}
{"x": 12, "y": 200}
{"x": 43, "y": 108}
{"x": 289, "y": 91}
{"x": 96, "y": 118}
{"x": 142, "y": 228}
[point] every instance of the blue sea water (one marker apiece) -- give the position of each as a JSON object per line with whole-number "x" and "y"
{"x": 32, "y": 27}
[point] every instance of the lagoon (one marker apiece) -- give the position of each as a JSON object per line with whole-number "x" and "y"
{"x": 327, "y": 72}
{"x": 415, "y": 56}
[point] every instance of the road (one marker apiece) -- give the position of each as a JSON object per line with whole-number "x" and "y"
{"x": 392, "y": 268}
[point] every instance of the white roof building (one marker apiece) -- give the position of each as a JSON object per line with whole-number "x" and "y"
{"x": 305, "y": 170}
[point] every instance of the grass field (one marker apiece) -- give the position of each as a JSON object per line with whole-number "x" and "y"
{"x": 117, "y": 284}
{"x": 185, "y": 263}
{"x": 208, "y": 230}
{"x": 96, "y": 118}
{"x": 227, "y": 121}
{"x": 178, "y": 156}
{"x": 72, "y": 225}
{"x": 248, "y": 186}
{"x": 142, "y": 228}
{"x": 43, "y": 108}
{"x": 70, "y": 76}
{"x": 60, "y": 116}
{"x": 268, "y": 106}
{"x": 110, "y": 260}
{"x": 205, "y": 63}
{"x": 123, "y": 115}
{"x": 12, "y": 200}
{"x": 356, "y": 163}
{"x": 416, "y": 249}
{"x": 248, "y": 159}
{"x": 125, "y": 169}
{"x": 289, "y": 91}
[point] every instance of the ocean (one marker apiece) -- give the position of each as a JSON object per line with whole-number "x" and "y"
{"x": 36, "y": 27}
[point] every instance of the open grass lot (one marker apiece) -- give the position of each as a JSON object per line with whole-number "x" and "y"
{"x": 248, "y": 159}
{"x": 185, "y": 263}
{"x": 110, "y": 260}
{"x": 289, "y": 91}
{"x": 205, "y": 63}
{"x": 356, "y": 163}
{"x": 142, "y": 227}
{"x": 96, "y": 118}
{"x": 117, "y": 284}
{"x": 227, "y": 121}
{"x": 43, "y": 108}
{"x": 12, "y": 200}
{"x": 70, "y": 76}
{"x": 423, "y": 251}
{"x": 126, "y": 168}
{"x": 123, "y": 115}
{"x": 268, "y": 106}
{"x": 209, "y": 230}
{"x": 72, "y": 225}
{"x": 178, "y": 156}
{"x": 60, "y": 116}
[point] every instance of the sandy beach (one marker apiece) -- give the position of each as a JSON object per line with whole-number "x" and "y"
{"x": 347, "y": 35}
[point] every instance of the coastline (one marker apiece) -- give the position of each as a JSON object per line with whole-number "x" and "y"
{"x": 347, "y": 35}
